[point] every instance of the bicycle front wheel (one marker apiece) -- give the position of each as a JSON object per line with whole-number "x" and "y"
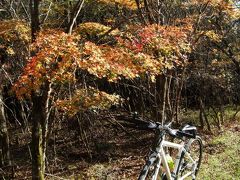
{"x": 151, "y": 170}
{"x": 187, "y": 168}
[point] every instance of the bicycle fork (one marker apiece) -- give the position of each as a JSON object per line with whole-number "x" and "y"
{"x": 161, "y": 157}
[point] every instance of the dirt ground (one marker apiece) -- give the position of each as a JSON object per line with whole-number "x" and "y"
{"x": 103, "y": 151}
{"x": 106, "y": 150}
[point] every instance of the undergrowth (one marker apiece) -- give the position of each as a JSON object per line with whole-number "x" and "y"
{"x": 222, "y": 156}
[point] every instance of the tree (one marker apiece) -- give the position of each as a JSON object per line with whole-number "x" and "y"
{"x": 143, "y": 50}
{"x": 14, "y": 38}
{"x": 39, "y": 111}
{"x": 4, "y": 139}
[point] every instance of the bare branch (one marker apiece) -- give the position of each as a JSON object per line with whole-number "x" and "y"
{"x": 76, "y": 12}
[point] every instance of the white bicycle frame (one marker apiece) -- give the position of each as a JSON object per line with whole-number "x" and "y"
{"x": 162, "y": 157}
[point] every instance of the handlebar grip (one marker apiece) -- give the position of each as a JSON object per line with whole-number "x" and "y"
{"x": 183, "y": 134}
{"x": 152, "y": 125}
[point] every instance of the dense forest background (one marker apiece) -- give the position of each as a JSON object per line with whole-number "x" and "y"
{"x": 69, "y": 68}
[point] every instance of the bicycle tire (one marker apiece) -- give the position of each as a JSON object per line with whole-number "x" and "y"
{"x": 149, "y": 169}
{"x": 195, "y": 148}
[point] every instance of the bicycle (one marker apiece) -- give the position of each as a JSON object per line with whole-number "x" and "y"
{"x": 188, "y": 157}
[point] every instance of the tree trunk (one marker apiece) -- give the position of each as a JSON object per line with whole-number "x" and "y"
{"x": 161, "y": 89}
{"x": 35, "y": 24}
{"x": 4, "y": 139}
{"x": 201, "y": 118}
{"x": 40, "y": 115}
{"x": 217, "y": 118}
{"x": 179, "y": 86}
{"x": 37, "y": 148}
{"x": 203, "y": 115}
{"x": 207, "y": 121}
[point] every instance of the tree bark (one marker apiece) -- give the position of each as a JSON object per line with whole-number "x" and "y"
{"x": 161, "y": 89}
{"x": 38, "y": 167}
{"x": 203, "y": 115}
{"x": 178, "y": 99}
{"x": 40, "y": 115}
{"x": 35, "y": 24}
{"x": 4, "y": 139}
{"x": 201, "y": 118}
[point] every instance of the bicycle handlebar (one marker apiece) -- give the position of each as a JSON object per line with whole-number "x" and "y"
{"x": 166, "y": 128}
{"x": 156, "y": 125}
{"x": 134, "y": 121}
{"x": 179, "y": 133}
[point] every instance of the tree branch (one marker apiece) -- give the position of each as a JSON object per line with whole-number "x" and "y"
{"x": 76, "y": 12}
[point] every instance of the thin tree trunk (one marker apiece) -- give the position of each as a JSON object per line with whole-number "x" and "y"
{"x": 40, "y": 115}
{"x": 201, "y": 118}
{"x": 4, "y": 139}
{"x": 168, "y": 98}
{"x": 75, "y": 14}
{"x": 178, "y": 100}
{"x": 207, "y": 121}
{"x": 162, "y": 93}
{"x": 37, "y": 149}
{"x": 35, "y": 24}
{"x": 149, "y": 12}
{"x": 45, "y": 123}
{"x": 142, "y": 18}
{"x": 203, "y": 115}
{"x": 217, "y": 117}
{"x": 24, "y": 117}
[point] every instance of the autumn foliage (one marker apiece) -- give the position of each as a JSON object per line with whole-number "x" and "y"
{"x": 14, "y": 35}
{"x": 131, "y": 4}
{"x": 63, "y": 62}
{"x": 58, "y": 55}
{"x": 148, "y": 50}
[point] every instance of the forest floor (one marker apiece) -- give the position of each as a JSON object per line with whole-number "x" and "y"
{"x": 222, "y": 155}
{"x": 114, "y": 152}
